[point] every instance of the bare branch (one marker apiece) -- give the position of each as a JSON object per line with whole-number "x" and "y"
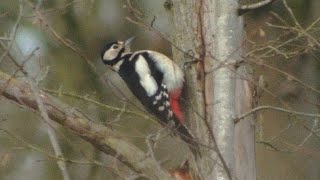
{"x": 249, "y": 7}
{"x": 51, "y": 133}
{"x": 95, "y": 133}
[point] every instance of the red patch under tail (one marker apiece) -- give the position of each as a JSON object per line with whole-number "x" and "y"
{"x": 175, "y": 106}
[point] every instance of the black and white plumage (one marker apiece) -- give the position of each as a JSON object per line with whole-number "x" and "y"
{"x": 153, "y": 78}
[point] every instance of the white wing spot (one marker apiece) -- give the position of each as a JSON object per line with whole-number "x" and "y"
{"x": 167, "y": 103}
{"x": 154, "y": 102}
{"x": 165, "y": 94}
{"x": 161, "y": 108}
{"x": 158, "y": 97}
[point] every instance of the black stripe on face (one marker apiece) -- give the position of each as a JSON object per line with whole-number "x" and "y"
{"x": 114, "y": 60}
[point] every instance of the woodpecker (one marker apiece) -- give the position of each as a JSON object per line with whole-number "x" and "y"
{"x": 154, "y": 79}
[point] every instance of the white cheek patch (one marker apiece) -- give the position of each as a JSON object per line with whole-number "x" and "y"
{"x": 146, "y": 80}
{"x": 110, "y": 55}
{"x": 158, "y": 97}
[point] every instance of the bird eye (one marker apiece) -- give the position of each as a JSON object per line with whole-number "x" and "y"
{"x": 115, "y": 46}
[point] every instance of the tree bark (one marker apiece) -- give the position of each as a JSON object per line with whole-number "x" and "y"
{"x": 216, "y": 87}
{"x": 244, "y": 136}
{"x": 185, "y": 27}
{"x": 187, "y": 51}
{"x": 225, "y": 55}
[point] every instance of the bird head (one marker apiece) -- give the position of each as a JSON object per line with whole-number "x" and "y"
{"x": 113, "y": 51}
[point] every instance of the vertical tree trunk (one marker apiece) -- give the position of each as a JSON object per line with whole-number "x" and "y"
{"x": 216, "y": 89}
{"x": 185, "y": 24}
{"x": 244, "y": 136}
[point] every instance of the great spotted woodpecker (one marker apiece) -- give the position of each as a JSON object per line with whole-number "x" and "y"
{"x": 154, "y": 79}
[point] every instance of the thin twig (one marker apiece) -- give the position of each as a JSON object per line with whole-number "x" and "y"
{"x": 290, "y": 76}
{"x": 106, "y": 106}
{"x": 304, "y": 141}
{"x": 291, "y": 14}
{"x": 283, "y": 131}
{"x": 61, "y": 39}
{"x": 313, "y": 24}
{"x": 118, "y": 117}
{"x": 5, "y": 39}
{"x": 261, "y": 108}
{"x": 151, "y": 27}
{"x": 51, "y": 132}
{"x": 297, "y": 147}
{"x": 56, "y": 9}
{"x": 13, "y": 33}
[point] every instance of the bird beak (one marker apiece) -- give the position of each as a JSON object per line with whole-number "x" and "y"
{"x": 128, "y": 42}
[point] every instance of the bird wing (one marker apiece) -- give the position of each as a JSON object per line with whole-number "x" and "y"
{"x": 146, "y": 80}
{"x": 172, "y": 75}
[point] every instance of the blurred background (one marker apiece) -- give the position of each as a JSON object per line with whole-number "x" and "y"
{"x": 67, "y": 65}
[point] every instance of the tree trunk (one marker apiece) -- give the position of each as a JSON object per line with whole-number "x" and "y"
{"x": 216, "y": 87}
